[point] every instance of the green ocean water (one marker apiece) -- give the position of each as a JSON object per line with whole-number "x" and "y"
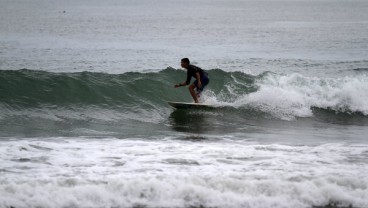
{"x": 35, "y": 103}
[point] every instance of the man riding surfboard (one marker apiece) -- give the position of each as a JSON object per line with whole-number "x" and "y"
{"x": 199, "y": 74}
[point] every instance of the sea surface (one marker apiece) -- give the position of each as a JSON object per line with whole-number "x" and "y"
{"x": 84, "y": 119}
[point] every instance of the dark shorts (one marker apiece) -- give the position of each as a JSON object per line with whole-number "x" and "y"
{"x": 204, "y": 81}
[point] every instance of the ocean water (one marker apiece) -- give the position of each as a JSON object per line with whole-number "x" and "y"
{"x": 84, "y": 119}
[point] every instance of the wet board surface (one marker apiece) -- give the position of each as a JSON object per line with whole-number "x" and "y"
{"x": 181, "y": 105}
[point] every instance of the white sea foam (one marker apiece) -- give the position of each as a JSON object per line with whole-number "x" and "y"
{"x": 76, "y": 172}
{"x": 290, "y": 96}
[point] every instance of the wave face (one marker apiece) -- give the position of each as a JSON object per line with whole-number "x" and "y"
{"x": 27, "y": 88}
{"x": 284, "y": 95}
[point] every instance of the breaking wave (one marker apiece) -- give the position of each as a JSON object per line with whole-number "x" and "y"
{"x": 283, "y": 96}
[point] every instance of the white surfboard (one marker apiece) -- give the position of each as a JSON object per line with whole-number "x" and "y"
{"x": 181, "y": 105}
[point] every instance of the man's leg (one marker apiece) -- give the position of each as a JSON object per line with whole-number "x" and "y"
{"x": 192, "y": 92}
{"x": 204, "y": 81}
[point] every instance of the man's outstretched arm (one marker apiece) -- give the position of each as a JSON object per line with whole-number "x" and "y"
{"x": 181, "y": 84}
{"x": 187, "y": 82}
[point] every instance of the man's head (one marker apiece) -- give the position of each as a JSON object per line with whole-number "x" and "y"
{"x": 185, "y": 62}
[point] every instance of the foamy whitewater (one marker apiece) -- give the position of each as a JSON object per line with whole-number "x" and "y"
{"x": 172, "y": 173}
{"x": 84, "y": 119}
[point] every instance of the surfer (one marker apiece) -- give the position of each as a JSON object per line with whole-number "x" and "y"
{"x": 199, "y": 74}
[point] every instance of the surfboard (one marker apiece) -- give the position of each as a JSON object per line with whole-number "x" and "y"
{"x": 181, "y": 105}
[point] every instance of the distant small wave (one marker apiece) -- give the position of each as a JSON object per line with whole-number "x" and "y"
{"x": 360, "y": 69}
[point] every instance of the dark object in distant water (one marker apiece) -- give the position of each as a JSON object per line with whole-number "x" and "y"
{"x": 333, "y": 205}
